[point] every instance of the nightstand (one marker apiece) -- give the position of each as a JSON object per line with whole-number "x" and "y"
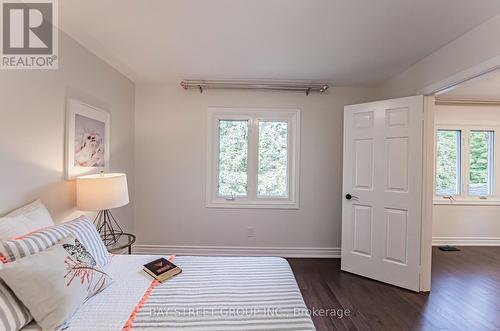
{"x": 125, "y": 241}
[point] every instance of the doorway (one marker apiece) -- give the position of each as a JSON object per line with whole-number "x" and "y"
{"x": 462, "y": 170}
{"x": 467, "y": 153}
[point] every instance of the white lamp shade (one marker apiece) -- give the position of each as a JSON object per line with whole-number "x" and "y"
{"x": 101, "y": 192}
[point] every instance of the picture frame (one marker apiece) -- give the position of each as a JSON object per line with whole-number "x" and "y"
{"x": 87, "y": 139}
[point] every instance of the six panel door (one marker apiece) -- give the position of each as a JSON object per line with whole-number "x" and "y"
{"x": 382, "y": 187}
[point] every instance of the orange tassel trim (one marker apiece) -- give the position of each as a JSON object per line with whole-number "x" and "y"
{"x": 128, "y": 325}
{"x": 4, "y": 259}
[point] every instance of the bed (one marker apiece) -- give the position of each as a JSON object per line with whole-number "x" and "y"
{"x": 212, "y": 293}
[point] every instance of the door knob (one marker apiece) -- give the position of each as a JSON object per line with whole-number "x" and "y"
{"x": 349, "y": 196}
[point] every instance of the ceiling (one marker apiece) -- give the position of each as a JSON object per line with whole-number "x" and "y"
{"x": 347, "y": 42}
{"x": 483, "y": 87}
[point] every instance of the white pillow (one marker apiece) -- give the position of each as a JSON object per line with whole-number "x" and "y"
{"x": 24, "y": 220}
{"x": 54, "y": 283}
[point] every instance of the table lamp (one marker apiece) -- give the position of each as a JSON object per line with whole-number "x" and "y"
{"x": 101, "y": 193}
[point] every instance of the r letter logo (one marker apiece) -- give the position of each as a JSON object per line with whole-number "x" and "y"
{"x": 29, "y": 35}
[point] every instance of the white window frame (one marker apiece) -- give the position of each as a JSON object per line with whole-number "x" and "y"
{"x": 463, "y": 198}
{"x": 253, "y": 116}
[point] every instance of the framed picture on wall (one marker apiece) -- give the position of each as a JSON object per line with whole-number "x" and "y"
{"x": 87, "y": 139}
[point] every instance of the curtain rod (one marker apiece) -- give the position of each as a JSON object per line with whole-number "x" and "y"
{"x": 293, "y": 86}
{"x": 448, "y": 101}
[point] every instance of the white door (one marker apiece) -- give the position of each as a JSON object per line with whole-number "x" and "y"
{"x": 382, "y": 188}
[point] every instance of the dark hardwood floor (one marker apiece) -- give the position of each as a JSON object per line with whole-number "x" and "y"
{"x": 465, "y": 294}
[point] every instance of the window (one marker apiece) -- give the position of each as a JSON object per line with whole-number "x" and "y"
{"x": 253, "y": 158}
{"x": 273, "y": 159}
{"x": 465, "y": 164}
{"x": 480, "y": 162}
{"x": 233, "y": 158}
{"x": 448, "y": 162}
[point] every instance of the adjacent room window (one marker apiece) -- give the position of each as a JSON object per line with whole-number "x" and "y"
{"x": 448, "y": 162}
{"x": 480, "y": 162}
{"x": 253, "y": 158}
{"x": 465, "y": 164}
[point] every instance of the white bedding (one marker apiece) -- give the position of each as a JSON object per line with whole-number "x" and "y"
{"x": 216, "y": 283}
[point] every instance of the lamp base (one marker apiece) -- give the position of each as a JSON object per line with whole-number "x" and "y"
{"x": 104, "y": 224}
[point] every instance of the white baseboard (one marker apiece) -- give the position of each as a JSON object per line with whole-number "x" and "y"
{"x": 298, "y": 252}
{"x": 304, "y": 252}
{"x": 466, "y": 241}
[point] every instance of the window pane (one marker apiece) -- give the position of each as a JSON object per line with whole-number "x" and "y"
{"x": 448, "y": 162}
{"x": 273, "y": 159}
{"x": 480, "y": 162}
{"x": 233, "y": 158}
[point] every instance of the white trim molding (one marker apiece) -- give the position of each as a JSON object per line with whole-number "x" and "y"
{"x": 458, "y": 202}
{"x": 466, "y": 241}
{"x": 461, "y": 77}
{"x": 302, "y": 252}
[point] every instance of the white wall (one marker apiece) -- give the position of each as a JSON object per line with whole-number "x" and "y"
{"x": 170, "y": 170}
{"x": 32, "y": 126}
{"x": 467, "y": 224}
{"x": 473, "y": 48}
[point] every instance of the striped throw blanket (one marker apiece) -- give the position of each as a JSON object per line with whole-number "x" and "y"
{"x": 225, "y": 293}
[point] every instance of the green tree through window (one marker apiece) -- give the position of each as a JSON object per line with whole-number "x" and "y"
{"x": 480, "y": 162}
{"x": 447, "y": 162}
{"x": 233, "y": 158}
{"x": 273, "y": 159}
{"x": 253, "y": 158}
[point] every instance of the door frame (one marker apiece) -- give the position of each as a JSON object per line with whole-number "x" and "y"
{"x": 429, "y": 92}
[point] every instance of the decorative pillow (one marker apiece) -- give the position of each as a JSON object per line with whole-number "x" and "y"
{"x": 81, "y": 228}
{"x": 24, "y": 220}
{"x": 13, "y": 314}
{"x": 54, "y": 283}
